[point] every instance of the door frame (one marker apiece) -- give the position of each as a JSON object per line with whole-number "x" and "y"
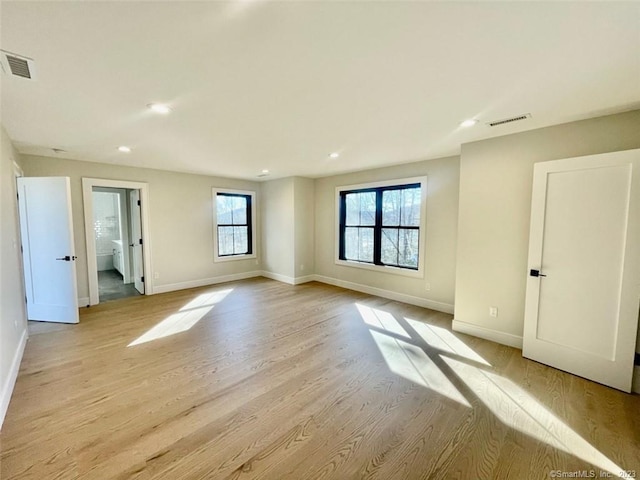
{"x": 19, "y": 173}
{"x": 90, "y": 237}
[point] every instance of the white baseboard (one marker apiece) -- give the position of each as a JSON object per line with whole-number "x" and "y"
{"x": 279, "y": 277}
{"x": 83, "y": 302}
{"x": 287, "y": 279}
{"x": 205, "y": 281}
{"x": 635, "y": 386}
{"x": 305, "y": 279}
{"x": 487, "y": 333}
{"x": 10, "y": 382}
{"x": 400, "y": 297}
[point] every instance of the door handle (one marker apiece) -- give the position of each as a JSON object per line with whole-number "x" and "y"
{"x": 536, "y": 273}
{"x": 67, "y": 258}
{"x": 132, "y": 244}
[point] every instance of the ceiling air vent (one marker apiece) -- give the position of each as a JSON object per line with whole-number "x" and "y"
{"x": 509, "y": 120}
{"x": 18, "y": 65}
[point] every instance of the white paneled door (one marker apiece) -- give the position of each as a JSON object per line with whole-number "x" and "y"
{"x": 48, "y": 249}
{"x": 583, "y": 283}
{"x": 136, "y": 238}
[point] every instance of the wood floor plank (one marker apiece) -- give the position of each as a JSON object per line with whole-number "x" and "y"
{"x": 273, "y": 381}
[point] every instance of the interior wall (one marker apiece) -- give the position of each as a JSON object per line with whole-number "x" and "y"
{"x": 304, "y": 226}
{"x": 180, "y": 220}
{"x": 496, "y": 177}
{"x": 277, "y": 213}
{"x": 442, "y": 213}
{"x": 13, "y": 317}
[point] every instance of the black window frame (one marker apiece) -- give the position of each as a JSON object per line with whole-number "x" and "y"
{"x": 378, "y": 226}
{"x": 249, "y": 224}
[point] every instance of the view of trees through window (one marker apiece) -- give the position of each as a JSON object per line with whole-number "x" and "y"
{"x": 234, "y": 224}
{"x": 381, "y": 225}
{"x": 361, "y": 219}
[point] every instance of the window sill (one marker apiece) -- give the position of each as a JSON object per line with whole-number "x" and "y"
{"x": 232, "y": 258}
{"x": 382, "y": 269}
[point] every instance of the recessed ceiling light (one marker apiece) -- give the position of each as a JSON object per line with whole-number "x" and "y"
{"x": 159, "y": 108}
{"x": 124, "y": 149}
{"x": 265, "y": 171}
{"x": 334, "y": 155}
{"x": 469, "y": 122}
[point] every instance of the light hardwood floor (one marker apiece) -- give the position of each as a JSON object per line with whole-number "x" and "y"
{"x": 298, "y": 382}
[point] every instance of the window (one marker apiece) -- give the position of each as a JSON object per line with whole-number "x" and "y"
{"x": 382, "y": 225}
{"x": 234, "y": 217}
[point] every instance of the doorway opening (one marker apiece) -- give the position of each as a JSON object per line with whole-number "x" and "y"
{"x": 113, "y": 216}
{"x": 116, "y": 226}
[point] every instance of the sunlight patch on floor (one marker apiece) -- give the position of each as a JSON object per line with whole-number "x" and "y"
{"x": 403, "y": 358}
{"x": 444, "y": 340}
{"x": 414, "y": 364}
{"x": 512, "y": 405}
{"x": 184, "y": 319}
{"x": 518, "y": 410}
{"x": 381, "y": 319}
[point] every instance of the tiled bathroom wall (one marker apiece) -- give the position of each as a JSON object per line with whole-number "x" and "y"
{"x": 106, "y": 221}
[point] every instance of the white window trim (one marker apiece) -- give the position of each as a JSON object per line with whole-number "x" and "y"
{"x": 254, "y": 232}
{"x": 423, "y": 228}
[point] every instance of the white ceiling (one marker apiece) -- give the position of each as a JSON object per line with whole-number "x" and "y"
{"x": 260, "y": 85}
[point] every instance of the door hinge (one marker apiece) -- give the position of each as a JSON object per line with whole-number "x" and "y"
{"x": 21, "y": 249}
{"x": 637, "y": 359}
{"x": 138, "y": 202}
{"x": 140, "y": 241}
{"x": 25, "y": 299}
{"x": 142, "y": 279}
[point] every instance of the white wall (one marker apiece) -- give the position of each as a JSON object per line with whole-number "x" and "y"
{"x": 278, "y": 244}
{"x": 180, "y": 218}
{"x": 442, "y": 214}
{"x": 304, "y": 226}
{"x": 13, "y": 319}
{"x": 496, "y": 178}
{"x": 288, "y": 228}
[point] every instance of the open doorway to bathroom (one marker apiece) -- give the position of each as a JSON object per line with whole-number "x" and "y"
{"x": 113, "y": 217}
{"x": 116, "y": 220}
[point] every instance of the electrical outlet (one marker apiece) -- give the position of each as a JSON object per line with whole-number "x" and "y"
{"x": 427, "y": 286}
{"x": 493, "y": 311}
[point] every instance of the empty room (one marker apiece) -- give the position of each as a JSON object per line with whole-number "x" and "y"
{"x": 316, "y": 239}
